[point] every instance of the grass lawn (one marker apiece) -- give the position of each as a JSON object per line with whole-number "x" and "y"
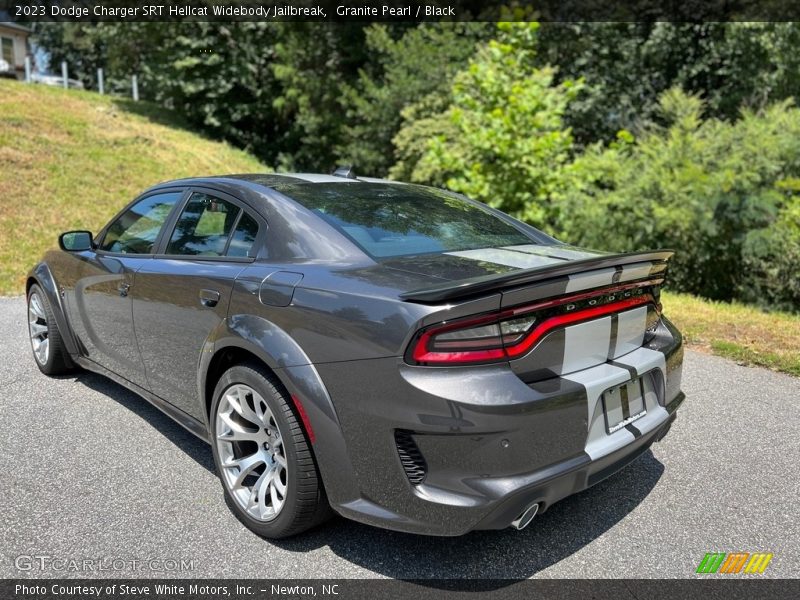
{"x": 737, "y": 331}
{"x": 72, "y": 159}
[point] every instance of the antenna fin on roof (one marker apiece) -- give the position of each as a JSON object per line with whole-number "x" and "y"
{"x": 345, "y": 171}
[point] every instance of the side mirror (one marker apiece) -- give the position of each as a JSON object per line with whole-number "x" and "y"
{"x": 76, "y": 241}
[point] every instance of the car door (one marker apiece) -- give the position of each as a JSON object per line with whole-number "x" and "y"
{"x": 182, "y": 295}
{"x": 99, "y": 303}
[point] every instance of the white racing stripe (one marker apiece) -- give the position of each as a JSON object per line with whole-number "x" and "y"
{"x": 586, "y": 344}
{"x": 590, "y": 279}
{"x": 318, "y": 178}
{"x": 595, "y": 381}
{"x": 630, "y": 331}
{"x": 645, "y": 360}
{"x": 554, "y": 251}
{"x": 635, "y": 271}
{"x": 509, "y": 258}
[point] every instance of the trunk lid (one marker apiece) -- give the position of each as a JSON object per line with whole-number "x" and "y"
{"x": 572, "y": 297}
{"x": 562, "y": 270}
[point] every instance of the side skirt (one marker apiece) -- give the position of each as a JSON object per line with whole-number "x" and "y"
{"x": 181, "y": 418}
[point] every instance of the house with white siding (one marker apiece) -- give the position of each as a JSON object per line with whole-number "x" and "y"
{"x": 14, "y": 47}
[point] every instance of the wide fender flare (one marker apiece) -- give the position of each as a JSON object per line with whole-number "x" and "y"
{"x": 284, "y": 356}
{"x": 43, "y": 276}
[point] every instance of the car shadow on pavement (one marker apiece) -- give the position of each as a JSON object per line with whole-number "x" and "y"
{"x": 507, "y": 554}
{"x": 196, "y": 449}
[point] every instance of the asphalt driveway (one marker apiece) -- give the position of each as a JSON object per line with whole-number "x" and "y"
{"x": 90, "y": 472}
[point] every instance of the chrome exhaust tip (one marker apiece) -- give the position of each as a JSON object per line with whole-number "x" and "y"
{"x": 522, "y": 521}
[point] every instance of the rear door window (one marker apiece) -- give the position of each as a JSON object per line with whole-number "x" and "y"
{"x": 244, "y": 236}
{"x": 204, "y": 226}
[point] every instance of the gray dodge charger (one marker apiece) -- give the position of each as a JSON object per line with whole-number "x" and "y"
{"x": 393, "y": 353}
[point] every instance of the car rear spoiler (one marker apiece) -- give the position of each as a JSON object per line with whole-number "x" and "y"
{"x": 474, "y": 286}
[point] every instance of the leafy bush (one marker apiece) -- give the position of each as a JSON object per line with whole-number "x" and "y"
{"x": 701, "y": 187}
{"x": 771, "y": 258}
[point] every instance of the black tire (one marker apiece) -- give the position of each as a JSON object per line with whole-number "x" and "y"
{"x": 58, "y": 361}
{"x": 306, "y": 504}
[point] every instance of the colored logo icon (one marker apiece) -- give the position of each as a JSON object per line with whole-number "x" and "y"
{"x": 734, "y": 562}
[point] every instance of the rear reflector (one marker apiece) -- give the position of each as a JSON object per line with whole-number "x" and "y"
{"x": 301, "y": 411}
{"x": 513, "y": 332}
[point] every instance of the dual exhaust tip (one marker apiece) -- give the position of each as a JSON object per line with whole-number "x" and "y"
{"x": 525, "y": 518}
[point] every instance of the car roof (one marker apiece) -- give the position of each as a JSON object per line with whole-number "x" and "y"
{"x": 288, "y": 199}
{"x": 280, "y": 182}
{"x": 277, "y": 198}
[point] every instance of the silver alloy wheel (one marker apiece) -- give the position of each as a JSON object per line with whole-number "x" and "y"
{"x": 37, "y": 327}
{"x": 251, "y": 452}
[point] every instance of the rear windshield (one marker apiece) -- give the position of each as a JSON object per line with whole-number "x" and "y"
{"x": 387, "y": 220}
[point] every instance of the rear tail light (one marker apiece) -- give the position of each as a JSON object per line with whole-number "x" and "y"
{"x": 485, "y": 339}
{"x": 512, "y": 333}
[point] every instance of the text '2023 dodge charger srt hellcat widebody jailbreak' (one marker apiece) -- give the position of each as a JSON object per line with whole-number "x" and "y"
{"x": 399, "y": 354}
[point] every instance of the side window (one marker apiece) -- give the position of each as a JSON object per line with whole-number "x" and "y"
{"x": 7, "y": 52}
{"x": 137, "y": 229}
{"x": 243, "y": 237}
{"x": 203, "y": 227}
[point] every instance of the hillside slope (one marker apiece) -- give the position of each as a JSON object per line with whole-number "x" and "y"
{"x": 71, "y": 160}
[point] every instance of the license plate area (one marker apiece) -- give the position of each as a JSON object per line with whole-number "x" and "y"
{"x": 623, "y": 404}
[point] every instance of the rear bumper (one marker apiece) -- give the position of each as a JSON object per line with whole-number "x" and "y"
{"x": 566, "y": 479}
{"x": 490, "y": 444}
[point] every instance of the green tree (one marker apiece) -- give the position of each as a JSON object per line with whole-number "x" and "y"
{"x": 220, "y": 78}
{"x": 84, "y": 46}
{"x": 401, "y": 71}
{"x": 313, "y": 63}
{"x": 121, "y": 49}
{"x": 627, "y": 66}
{"x": 505, "y": 142}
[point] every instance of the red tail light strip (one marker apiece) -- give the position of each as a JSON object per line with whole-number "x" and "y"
{"x": 421, "y": 354}
{"x": 583, "y": 296}
{"x": 556, "y": 321}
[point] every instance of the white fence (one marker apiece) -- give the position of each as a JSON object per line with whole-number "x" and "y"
{"x": 65, "y": 80}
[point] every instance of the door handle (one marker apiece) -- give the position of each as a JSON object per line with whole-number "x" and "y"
{"x": 209, "y": 298}
{"x": 123, "y": 288}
